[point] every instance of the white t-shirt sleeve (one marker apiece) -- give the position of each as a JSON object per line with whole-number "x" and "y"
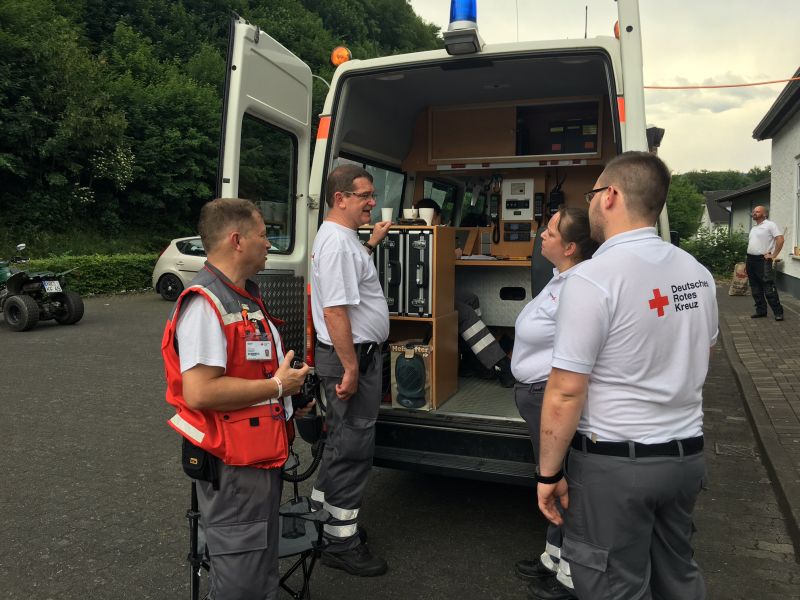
{"x": 582, "y": 324}
{"x": 201, "y": 340}
{"x": 338, "y": 278}
{"x": 774, "y": 229}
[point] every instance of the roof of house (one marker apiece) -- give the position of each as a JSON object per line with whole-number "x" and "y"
{"x": 758, "y": 186}
{"x": 784, "y": 108}
{"x": 718, "y": 212}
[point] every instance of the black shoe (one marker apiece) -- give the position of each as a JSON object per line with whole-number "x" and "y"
{"x": 531, "y": 570}
{"x": 504, "y": 374}
{"x": 358, "y": 561}
{"x": 549, "y": 588}
{"x": 758, "y": 316}
{"x": 779, "y": 317}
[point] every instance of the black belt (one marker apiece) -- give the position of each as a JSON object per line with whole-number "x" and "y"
{"x": 325, "y": 346}
{"x": 636, "y": 450}
{"x": 536, "y": 386}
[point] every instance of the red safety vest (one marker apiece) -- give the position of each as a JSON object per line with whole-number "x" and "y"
{"x": 255, "y": 436}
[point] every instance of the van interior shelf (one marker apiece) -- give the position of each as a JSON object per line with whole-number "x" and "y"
{"x": 520, "y": 131}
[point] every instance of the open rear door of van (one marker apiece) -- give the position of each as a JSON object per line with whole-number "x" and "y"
{"x": 265, "y": 157}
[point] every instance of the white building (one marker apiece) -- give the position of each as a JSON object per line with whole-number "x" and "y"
{"x": 781, "y": 124}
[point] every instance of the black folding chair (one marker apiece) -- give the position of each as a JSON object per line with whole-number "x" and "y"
{"x": 301, "y": 539}
{"x": 301, "y": 529}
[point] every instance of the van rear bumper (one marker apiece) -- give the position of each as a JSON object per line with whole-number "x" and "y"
{"x": 468, "y": 448}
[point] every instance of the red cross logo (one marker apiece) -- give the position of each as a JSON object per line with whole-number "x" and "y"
{"x": 658, "y": 302}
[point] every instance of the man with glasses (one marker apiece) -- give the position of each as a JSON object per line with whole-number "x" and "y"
{"x": 624, "y": 397}
{"x": 351, "y": 319}
{"x": 763, "y": 246}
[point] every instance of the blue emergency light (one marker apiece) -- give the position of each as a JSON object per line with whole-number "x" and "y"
{"x": 463, "y": 10}
{"x": 462, "y": 36}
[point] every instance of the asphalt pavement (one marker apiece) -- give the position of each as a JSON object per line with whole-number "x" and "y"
{"x": 93, "y": 504}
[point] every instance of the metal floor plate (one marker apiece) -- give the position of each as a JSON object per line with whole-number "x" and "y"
{"x": 482, "y": 397}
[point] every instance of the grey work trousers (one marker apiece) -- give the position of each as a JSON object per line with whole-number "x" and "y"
{"x": 761, "y": 276}
{"x": 628, "y": 528}
{"x": 350, "y": 445}
{"x": 529, "y": 398}
{"x": 241, "y": 525}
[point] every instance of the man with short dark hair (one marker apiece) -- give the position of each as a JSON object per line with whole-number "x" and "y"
{"x": 230, "y": 383}
{"x": 624, "y": 397}
{"x": 351, "y": 319}
{"x": 763, "y": 247}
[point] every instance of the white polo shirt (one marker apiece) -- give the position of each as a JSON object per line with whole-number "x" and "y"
{"x": 639, "y": 318}
{"x": 535, "y": 331}
{"x": 343, "y": 274}
{"x": 762, "y": 238}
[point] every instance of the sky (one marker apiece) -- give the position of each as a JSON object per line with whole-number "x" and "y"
{"x": 684, "y": 42}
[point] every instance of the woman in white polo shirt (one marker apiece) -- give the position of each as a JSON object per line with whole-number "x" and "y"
{"x": 565, "y": 243}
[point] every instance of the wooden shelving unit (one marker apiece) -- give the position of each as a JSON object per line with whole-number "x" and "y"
{"x": 442, "y": 326}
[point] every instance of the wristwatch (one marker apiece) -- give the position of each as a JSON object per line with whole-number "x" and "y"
{"x": 370, "y": 248}
{"x": 549, "y": 479}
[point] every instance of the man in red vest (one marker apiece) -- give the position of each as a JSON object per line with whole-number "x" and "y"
{"x": 230, "y": 383}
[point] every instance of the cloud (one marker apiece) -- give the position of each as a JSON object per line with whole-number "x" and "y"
{"x": 714, "y": 101}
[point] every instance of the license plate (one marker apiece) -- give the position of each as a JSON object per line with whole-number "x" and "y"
{"x": 52, "y": 287}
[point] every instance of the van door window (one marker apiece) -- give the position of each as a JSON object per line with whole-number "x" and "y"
{"x": 389, "y": 185}
{"x": 266, "y": 176}
{"x": 444, "y": 194}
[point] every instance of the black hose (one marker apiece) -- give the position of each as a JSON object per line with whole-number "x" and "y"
{"x": 316, "y": 453}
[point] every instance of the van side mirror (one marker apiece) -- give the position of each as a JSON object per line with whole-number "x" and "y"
{"x": 675, "y": 238}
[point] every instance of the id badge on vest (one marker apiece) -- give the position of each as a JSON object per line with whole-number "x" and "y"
{"x": 257, "y": 347}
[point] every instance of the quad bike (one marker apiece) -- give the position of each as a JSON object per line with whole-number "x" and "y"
{"x": 27, "y": 298}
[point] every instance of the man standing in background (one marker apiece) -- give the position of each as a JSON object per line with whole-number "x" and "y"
{"x": 763, "y": 247}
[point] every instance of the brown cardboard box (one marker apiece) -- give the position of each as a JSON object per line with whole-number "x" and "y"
{"x": 425, "y": 353}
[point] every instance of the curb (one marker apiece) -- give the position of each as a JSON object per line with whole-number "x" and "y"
{"x": 776, "y": 460}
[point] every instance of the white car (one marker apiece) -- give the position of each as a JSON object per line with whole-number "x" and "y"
{"x": 177, "y": 265}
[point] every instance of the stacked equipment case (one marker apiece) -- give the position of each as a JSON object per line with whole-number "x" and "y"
{"x": 404, "y": 262}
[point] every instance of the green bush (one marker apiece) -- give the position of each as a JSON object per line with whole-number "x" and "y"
{"x": 87, "y": 241}
{"x": 718, "y": 250}
{"x": 97, "y": 274}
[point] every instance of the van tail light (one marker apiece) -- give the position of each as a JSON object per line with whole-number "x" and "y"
{"x": 162, "y": 252}
{"x": 310, "y": 334}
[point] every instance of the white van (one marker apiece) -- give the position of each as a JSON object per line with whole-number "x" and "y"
{"x": 500, "y": 134}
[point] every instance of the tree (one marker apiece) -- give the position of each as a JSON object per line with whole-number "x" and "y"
{"x": 111, "y": 108}
{"x": 684, "y": 206}
{"x": 56, "y": 115}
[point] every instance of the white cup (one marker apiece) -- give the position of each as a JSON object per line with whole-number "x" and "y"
{"x": 410, "y": 213}
{"x": 387, "y": 214}
{"x": 427, "y": 214}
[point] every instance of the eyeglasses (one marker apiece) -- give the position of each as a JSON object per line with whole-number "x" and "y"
{"x": 589, "y": 195}
{"x": 363, "y": 195}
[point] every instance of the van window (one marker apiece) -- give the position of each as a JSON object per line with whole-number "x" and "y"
{"x": 444, "y": 194}
{"x": 266, "y": 176}
{"x": 389, "y": 185}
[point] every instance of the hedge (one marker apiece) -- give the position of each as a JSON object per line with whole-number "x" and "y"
{"x": 96, "y": 274}
{"x": 718, "y": 250}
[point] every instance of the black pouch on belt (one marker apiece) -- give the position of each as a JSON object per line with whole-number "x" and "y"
{"x": 365, "y": 359}
{"x": 199, "y": 464}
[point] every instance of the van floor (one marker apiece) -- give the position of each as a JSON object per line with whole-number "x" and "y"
{"x": 482, "y": 397}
